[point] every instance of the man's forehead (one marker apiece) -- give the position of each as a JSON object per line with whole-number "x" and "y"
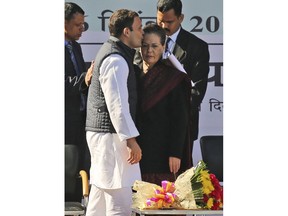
{"x": 137, "y": 21}
{"x": 166, "y": 16}
{"x": 77, "y": 17}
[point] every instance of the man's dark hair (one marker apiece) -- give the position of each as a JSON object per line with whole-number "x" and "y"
{"x": 71, "y": 9}
{"x": 166, "y": 5}
{"x": 121, "y": 19}
{"x": 153, "y": 28}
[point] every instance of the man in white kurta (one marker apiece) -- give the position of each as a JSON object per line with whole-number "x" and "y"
{"x": 110, "y": 169}
{"x": 115, "y": 156}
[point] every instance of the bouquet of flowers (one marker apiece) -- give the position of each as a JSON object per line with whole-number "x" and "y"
{"x": 152, "y": 196}
{"x": 193, "y": 189}
{"x": 206, "y": 189}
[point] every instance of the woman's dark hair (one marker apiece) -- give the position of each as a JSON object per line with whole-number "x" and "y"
{"x": 155, "y": 29}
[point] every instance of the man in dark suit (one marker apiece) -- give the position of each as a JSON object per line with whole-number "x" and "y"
{"x": 193, "y": 54}
{"x": 76, "y": 83}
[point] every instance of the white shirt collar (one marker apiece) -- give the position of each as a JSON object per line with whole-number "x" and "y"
{"x": 175, "y": 35}
{"x": 171, "y": 44}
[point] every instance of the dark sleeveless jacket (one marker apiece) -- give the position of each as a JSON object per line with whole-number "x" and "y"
{"x": 98, "y": 119}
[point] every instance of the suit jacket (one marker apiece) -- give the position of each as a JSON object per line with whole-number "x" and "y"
{"x": 193, "y": 53}
{"x": 74, "y": 117}
{"x": 69, "y": 68}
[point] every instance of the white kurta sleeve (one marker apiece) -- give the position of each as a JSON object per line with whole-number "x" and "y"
{"x": 113, "y": 80}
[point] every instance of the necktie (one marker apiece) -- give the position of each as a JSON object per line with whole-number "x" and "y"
{"x": 72, "y": 56}
{"x": 73, "y": 59}
{"x": 166, "y": 45}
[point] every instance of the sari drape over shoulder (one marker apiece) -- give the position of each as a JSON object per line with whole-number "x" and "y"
{"x": 158, "y": 82}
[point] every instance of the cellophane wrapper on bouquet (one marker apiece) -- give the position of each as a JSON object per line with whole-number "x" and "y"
{"x": 196, "y": 188}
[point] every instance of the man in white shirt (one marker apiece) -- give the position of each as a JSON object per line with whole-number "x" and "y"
{"x": 111, "y": 110}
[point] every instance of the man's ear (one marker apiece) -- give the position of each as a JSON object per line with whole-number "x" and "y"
{"x": 126, "y": 31}
{"x": 181, "y": 18}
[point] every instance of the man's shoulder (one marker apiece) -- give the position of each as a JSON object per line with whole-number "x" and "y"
{"x": 184, "y": 35}
{"x": 76, "y": 45}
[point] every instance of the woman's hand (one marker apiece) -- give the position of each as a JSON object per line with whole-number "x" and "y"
{"x": 174, "y": 164}
{"x": 89, "y": 73}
